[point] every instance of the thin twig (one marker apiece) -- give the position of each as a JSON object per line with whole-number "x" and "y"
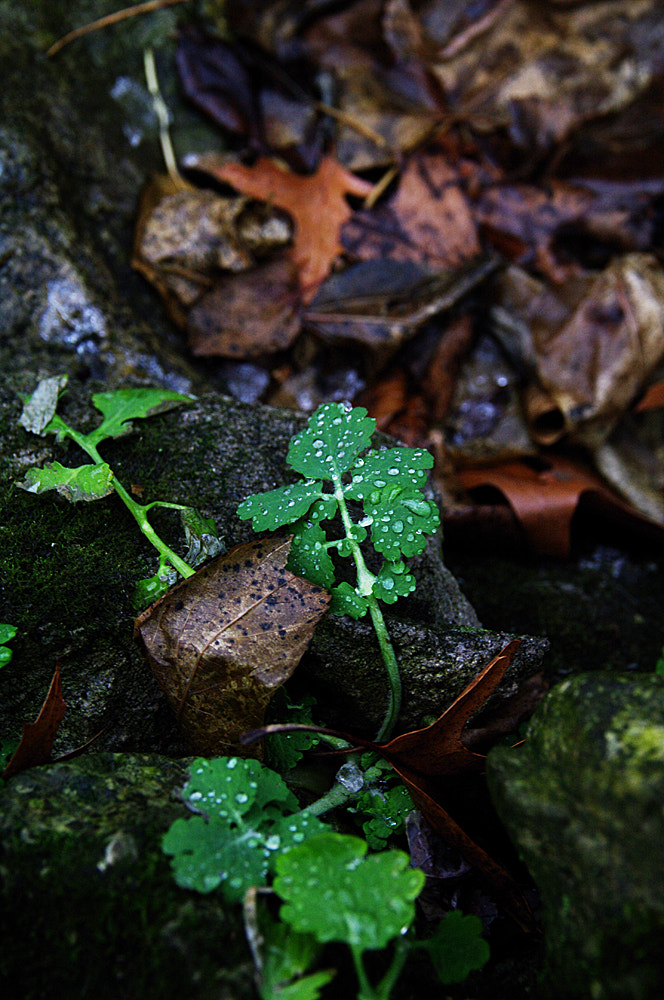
{"x": 109, "y": 19}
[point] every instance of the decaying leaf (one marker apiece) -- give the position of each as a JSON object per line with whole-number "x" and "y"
{"x": 221, "y": 642}
{"x": 247, "y": 315}
{"x": 187, "y": 238}
{"x": 38, "y": 736}
{"x": 592, "y": 346}
{"x": 317, "y": 203}
{"x": 427, "y": 220}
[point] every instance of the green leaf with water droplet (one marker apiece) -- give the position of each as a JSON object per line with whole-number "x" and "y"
{"x": 332, "y": 889}
{"x": 276, "y": 508}
{"x": 386, "y": 813}
{"x": 393, "y": 582}
{"x": 347, "y": 601}
{"x": 331, "y": 441}
{"x": 401, "y": 523}
{"x": 308, "y": 556}
{"x": 246, "y": 820}
{"x": 405, "y": 467}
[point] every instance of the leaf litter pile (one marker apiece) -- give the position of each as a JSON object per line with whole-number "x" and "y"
{"x": 450, "y": 214}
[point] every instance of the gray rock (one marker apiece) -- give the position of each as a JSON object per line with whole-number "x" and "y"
{"x": 89, "y": 905}
{"x": 583, "y": 801}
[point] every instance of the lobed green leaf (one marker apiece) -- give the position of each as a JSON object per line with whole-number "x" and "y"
{"x": 276, "y": 508}
{"x": 332, "y": 890}
{"x": 400, "y": 524}
{"x": 331, "y": 441}
{"x": 393, "y": 582}
{"x": 403, "y": 467}
{"x": 120, "y": 406}
{"x": 309, "y": 557}
{"x": 386, "y": 814}
{"x": 457, "y": 947}
{"x": 87, "y": 482}
{"x": 347, "y": 601}
{"x": 248, "y": 820}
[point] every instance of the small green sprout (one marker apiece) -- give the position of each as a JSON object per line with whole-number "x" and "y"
{"x": 7, "y": 633}
{"x": 246, "y": 817}
{"x": 388, "y": 486}
{"x": 94, "y": 481}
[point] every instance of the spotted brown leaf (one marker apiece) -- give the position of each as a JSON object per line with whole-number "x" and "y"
{"x": 221, "y": 642}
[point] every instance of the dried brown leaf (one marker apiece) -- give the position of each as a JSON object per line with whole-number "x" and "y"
{"x": 247, "y": 315}
{"x": 221, "y": 642}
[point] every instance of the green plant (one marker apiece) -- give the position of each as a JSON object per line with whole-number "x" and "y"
{"x": 247, "y": 816}
{"x": 7, "y": 633}
{"x": 247, "y": 826}
{"x": 335, "y": 891}
{"x": 95, "y": 480}
{"x": 387, "y": 485}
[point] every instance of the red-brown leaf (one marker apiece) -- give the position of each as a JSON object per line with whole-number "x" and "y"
{"x": 38, "y": 736}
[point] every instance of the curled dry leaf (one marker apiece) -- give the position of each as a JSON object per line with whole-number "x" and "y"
{"x": 221, "y": 642}
{"x": 592, "y": 346}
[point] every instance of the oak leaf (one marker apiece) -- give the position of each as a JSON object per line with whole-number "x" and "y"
{"x": 221, "y": 642}
{"x": 317, "y": 203}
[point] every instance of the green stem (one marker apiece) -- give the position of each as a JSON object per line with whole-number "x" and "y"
{"x": 387, "y": 983}
{"x": 137, "y": 510}
{"x": 365, "y": 580}
{"x": 366, "y": 990}
{"x": 337, "y": 796}
{"x": 391, "y": 666}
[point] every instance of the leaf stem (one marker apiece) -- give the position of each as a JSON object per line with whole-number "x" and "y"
{"x": 137, "y": 510}
{"x": 366, "y": 580}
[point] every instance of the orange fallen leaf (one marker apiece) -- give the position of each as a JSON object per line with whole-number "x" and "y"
{"x": 317, "y": 203}
{"x": 38, "y": 736}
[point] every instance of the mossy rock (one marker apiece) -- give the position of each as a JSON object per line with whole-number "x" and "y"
{"x": 583, "y": 799}
{"x": 89, "y": 905}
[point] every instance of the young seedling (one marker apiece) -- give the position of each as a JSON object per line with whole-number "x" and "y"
{"x": 386, "y": 484}
{"x": 95, "y": 480}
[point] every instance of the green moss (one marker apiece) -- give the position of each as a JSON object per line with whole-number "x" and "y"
{"x": 82, "y": 840}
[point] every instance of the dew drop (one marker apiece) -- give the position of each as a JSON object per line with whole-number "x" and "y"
{"x": 388, "y": 583}
{"x": 393, "y": 471}
{"x": 195, "y": 796}
{"x": 273, "y": 843}
{"x": 231, "y": 763}
{"x": 298, "y": 837}
{"x": 398, "y": 527}
{"x": 241, "y": 798}
{"x": 318, "y": 443}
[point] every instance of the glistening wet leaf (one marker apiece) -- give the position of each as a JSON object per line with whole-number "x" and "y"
{"x": 220, "y": 643}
